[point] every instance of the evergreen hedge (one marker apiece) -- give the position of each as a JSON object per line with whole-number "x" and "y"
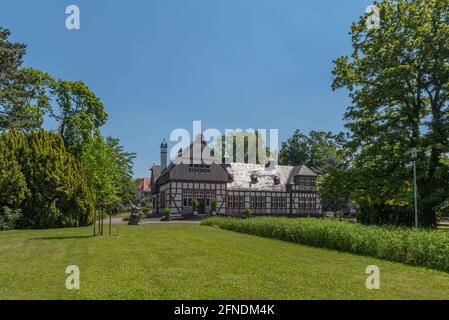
{"x": 428, "y": 248}
{"x": 9, "y": 218}
{"x": 42, "y": 179}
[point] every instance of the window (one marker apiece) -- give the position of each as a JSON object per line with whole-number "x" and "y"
{"x": 209, "y": 196}
{"x": 236, "y": 202}
{"x": 254, "y": 178}
{"x": 187, "y": 198}
{"x": 278, "y": 202}
{"x": 308, "y": 202}
{"x": 231, "y": 202}
{"x": 199, "y": 194}
{"x": 199, "y": 168}
{"x": 257, "y": 202}
{"x": 297, "y": 179}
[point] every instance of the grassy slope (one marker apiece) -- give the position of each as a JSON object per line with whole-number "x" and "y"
{"x": 195, "y": 262}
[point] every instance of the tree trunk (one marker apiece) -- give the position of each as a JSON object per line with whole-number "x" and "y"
{"x": 98, "y": 221}
{"x": 102, "y": 220}
{"x": 432, "y": 186}
{"x": 95, "y": 222}
{"x": 429, "y": 216}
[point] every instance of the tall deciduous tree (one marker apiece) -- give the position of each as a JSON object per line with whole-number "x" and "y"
{"x": 124, "y": 162}
{"x": 319, "y": 150}
{"x": 398, "y": 80}
{"x": 245, "y": 147}
{"x": 103, "y": 173}
{"x": 78, "y": 112}
{"x": 23, "y": 98}
{"x": 101, "y": 169}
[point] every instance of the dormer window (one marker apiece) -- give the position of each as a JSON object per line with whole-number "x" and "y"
{"x": 199, "y": 168}
{"x": 254, "y": 178}
{"x": 297, "y": 179}
{"x": 270, "y": 165}
{"x": 276, "y": 180}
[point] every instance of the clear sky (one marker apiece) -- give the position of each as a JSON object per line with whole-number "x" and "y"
{"x": 160, "y": 64}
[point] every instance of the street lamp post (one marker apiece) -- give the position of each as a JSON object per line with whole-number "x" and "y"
{"x": 414, "y": 153}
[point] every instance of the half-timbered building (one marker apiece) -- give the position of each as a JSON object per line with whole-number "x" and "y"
{"x": 265, "y": 189}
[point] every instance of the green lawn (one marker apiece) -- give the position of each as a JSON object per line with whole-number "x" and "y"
{"x": 177, "y": 261}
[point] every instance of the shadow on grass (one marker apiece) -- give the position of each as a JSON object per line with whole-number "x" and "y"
{"x": 62, "y": 238}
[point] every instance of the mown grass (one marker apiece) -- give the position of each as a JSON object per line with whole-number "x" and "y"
{"x": 428, "y": 248}
{"x": 174, "y": 261}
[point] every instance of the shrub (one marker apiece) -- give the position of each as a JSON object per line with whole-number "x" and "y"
{"x": 9, "y": 218}
{"x": 247, "y": 213}
{"x": 213, "y": 204}
{"x": 147, "y": 207}
{"x": 416, "y": 247}
{"x": 39, "y": 176}
{"x": 167, "y": 211}
{"x": 195, "y": 204}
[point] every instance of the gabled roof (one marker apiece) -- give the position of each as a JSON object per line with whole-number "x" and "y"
{"x": 144, "y": 185}
{"x": 155, "y": 172}
{"x": 198, "y": 152}
{"x": 306, "y": 171}
{"x": 301, "y": 170}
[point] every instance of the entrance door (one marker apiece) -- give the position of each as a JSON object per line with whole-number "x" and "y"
{"x": 201, "y": 206}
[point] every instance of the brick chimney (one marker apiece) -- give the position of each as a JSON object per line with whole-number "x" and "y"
{"x": 164, "y": 150}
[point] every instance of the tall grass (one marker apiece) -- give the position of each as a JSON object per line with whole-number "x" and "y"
{"x": 415, "y": 247}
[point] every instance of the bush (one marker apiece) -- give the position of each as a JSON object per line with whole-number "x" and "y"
{"x": 416, "y": 247}
{"x": 9, "y": 218}
{"x": 39, "y": 176}
{"x": 214, "y": 203}
{"x": 115, "y": 208}
{"x": 195, "y": 204}
{"x": 147, "y": 208}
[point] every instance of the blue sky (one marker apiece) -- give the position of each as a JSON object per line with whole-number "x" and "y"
{"x": 160, "y": 64}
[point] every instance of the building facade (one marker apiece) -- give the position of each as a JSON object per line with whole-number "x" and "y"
{"x": 143, "y": 190}
{"x": 264, "y": 189}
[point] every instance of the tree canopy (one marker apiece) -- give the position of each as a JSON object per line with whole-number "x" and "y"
{"x": 46, "y": 182}
{"x": 319, "y": 150}
{"x": 55, "y": 179}
{"x": 23, "y": 99}
{"x": 78, "y": 112}
{"x": 398, "y": 80}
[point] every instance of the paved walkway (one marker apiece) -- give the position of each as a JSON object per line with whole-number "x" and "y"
{"x": 153, "y": 221}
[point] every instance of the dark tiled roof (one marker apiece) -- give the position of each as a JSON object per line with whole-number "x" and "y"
{"x": 155, "y": 172}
